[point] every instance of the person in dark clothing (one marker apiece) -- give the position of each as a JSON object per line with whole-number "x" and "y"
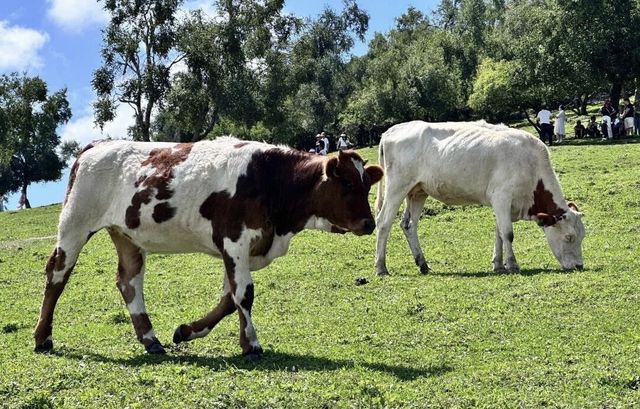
{"x": 608, "y": 110}
{"x": 579, "y": 130}
{"x": 592, "y": 128}
{"x": 546, "y": 129}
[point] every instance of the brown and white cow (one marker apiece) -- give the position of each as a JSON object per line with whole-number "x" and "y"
{"x": 474, "y": 163}
{"x": 236, "y": 200}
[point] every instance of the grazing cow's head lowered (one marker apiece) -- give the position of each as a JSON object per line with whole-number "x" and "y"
{"x": 565, "y": 233}
{"x": 345, "y": 193}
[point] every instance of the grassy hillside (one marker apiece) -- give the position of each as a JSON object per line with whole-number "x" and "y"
{"x": 460, "y": 337}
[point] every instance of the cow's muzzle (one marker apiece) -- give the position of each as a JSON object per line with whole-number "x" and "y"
{"x": 366, "y": 226}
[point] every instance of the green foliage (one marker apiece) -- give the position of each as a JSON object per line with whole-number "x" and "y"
{"x": 459, "y": 337}
{"x": 234, "y": 66}
{"x": 495, "y": 90}
{"x": 29, "y": 139}
{"x": 137, "y": 57}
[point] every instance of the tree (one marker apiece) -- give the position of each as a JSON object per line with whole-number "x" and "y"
{"x": 137, "y": 56}
{"x": 28, "y": 136}
{"x": 236, "y": 67}
{"x": 320, "y": 74}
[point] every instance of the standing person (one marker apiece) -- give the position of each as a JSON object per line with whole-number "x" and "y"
{"x": 325, "y": 140}
{"x": 627, "y": 117}
{"x": 321, "y": 146}
{"x": 636, "y": 117}
{"x": 546, "y": 129}
{"x": 561, "y": 119}
{"x": 343, "y": 142}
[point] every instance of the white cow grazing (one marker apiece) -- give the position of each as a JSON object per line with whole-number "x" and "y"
{"x": 474, "y": 163}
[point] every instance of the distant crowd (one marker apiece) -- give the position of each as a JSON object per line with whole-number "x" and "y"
{"x": 611, "y": 125}
{"x": 323, "y": 145}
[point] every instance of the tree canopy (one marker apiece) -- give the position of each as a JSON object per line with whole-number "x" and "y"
{"x": 257, "y": 72}
{"x": 28, "y": 137}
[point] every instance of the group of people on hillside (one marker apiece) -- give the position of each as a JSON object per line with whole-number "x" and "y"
{"x": 612, "y": 124}
{"x": 323, "y": 146}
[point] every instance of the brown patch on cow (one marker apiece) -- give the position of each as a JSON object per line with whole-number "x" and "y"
{"x": 156, "y": 183}
{"x": 163, "y": 212}
{"x": 544, "y": 207}
{"x": 260, "y": 245}
{"x": 52, "y": 292}
{"x": 225, "y": 307}
{"x": 142, "y": 325}
{"x": 126, "y": 289}
{"x": 240, "y": 145}
{"x": 132, "y": 215}
{"x": 74, "y": 171}
{"x": 56, "y": 262}
{"x": 247, "y": 300}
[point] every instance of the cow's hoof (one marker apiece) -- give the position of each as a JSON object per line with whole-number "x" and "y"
{"x": 181, "y": 334}
{"x": 424, "y": 269}
{"x": 499, "y": 269}
{"x": 383, "y": 273}
{"x": 513, "y": 268}
{"x": 45, "y": 347}
{"x": 254, "y": 355}
{"x": 155, "y": 348}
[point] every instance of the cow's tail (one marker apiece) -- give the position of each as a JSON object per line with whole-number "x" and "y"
{"x": 381, "y": 187}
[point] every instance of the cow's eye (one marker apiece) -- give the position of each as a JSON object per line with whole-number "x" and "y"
{"x": 347, "y": 185}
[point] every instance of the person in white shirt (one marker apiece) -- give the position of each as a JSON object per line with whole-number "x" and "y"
{"x": 546, "y": 129}
{"x": 326, "y": 142}
{"x": 343, "y": 142}
{"x": 322, "y": 145}
{"x": 561, "y": 119}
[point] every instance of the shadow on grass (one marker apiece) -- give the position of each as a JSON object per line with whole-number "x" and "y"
{"x": 597, "y": 141}
{"x": 270, "y": 361}
{"x": 524, "y": 272}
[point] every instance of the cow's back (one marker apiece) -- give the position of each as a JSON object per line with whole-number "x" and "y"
{"x": 153, "y": 192}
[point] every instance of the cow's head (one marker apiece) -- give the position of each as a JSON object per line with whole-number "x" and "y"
{"x": 344, "y": 194}
{"x": 565, "y": 233}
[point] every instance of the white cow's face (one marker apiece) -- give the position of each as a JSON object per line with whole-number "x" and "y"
{"x": 565, "y": 239}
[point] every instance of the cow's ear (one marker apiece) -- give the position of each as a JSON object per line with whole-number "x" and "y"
{"x": 573, "y": 206}
{"x": 375, "y": 173}
{"x": 331, "y": 168}
{"x": 545, "y": 220}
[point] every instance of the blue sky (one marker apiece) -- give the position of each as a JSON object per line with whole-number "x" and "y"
{"x": 59, "y": 40}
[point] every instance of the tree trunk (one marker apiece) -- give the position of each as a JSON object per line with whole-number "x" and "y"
{"x": 535, "y": 125}
{"x": 24, "y": 201}
{"x": 616, "y": 91}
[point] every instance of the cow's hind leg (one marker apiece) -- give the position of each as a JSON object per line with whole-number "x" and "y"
{"x": 130, "y": 279}
{"x": 414, "y": 204}
{"x": 505, "y": 231}
{"x": 57, "y": 270}
{"x": 201, "y": 327}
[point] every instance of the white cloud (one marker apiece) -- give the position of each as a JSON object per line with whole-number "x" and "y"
{"x": 20, "y": 47}
{"x": 84, "y": 131}
{"x": 75, "y": 15}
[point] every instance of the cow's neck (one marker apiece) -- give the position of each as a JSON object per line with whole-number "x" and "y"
{"x": 292, "y": 203}
{"x": 547, "y": 198}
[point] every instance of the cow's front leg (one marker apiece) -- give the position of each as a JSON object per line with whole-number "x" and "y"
{"x": 498, "y": 265}
{"x": 201, "y": 327}
{"x": 236, "y": 262}
{"x": 505, "y": 230}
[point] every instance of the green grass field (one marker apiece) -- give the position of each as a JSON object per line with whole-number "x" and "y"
{"x": 460, "y": 337}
